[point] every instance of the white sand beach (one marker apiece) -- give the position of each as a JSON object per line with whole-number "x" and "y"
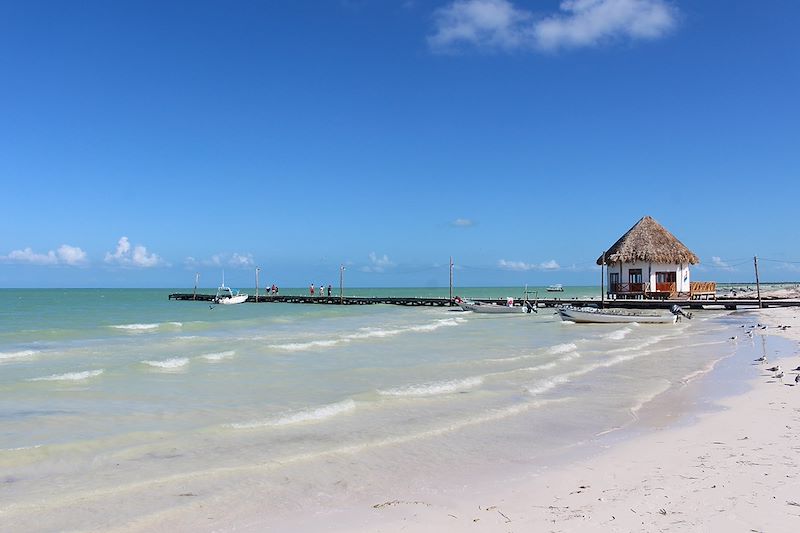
{"x": 737, "y": 469}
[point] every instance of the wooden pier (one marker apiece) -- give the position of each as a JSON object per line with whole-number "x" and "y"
{"x": 725, "y": 303}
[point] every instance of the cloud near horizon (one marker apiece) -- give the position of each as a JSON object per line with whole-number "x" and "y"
{"x": 64, "y": 255}
{"x": 499, "y": 24}
{"x": 234, "y": 260}
{"x": 521, "y": 266}
{"x": 136, "y": 256}
{"x": 377, "y": 263}
{"x": 717, "y": 262}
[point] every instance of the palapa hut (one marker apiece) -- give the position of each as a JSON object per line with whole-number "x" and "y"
{"x": 649, "y": 262}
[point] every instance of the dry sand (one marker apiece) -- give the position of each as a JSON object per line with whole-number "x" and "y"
{"x": 733, "y": 469}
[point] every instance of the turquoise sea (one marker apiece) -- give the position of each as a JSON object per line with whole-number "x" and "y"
{"x": 123, "y": 400}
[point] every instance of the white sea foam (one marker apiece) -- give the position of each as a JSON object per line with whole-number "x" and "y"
{"x": 618, "y": 335}
{"x": 301, "y": 346}
{"x": 70, "y": 376}
{"x": 168, "y": 364}
{"x": 434, "y": 388}
{"x": 313, "y": 414}
{"x": 21, "y": 448}
{"x": 552, "y": 382}
{"x": 366, "y": 333}
{"x": 135, "y": 327}
{"x": 562, "y": 348}
{"x": 546, "y": 384}
{"x": 219, "y": 355}
{"x": 17, "y": 355}
{"x": 146, "y": 327}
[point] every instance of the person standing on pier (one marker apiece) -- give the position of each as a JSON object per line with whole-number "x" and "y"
{"x": 329, "y": 290}
{"x": 321, "y": 290}
{"x": 311, "y": 289}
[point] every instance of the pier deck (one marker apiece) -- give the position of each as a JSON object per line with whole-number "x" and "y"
{"x": 726, "y": 303}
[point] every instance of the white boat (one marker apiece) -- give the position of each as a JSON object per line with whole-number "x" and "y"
{"x": 613, "y": 316}
{"x": 555, "y": 288}
{"x": 491, "y": 308}
{"x": 226, "y": 296}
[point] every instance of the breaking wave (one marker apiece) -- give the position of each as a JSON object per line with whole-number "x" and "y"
{"x": 168, "y": 364}
{"x": 17, "y": 355}
{"x": 367, "y": 333}
{"x": 562, "y": 348}
{"x": 314, "y": 414}
{"x": 434, "y": 388}
{"x": 300, "y": 346}
{"x": 70, "y": 376}
{"x": 617, "y": 335}
{"x": 145, "y": 327}
{"x": 219, "y": 356}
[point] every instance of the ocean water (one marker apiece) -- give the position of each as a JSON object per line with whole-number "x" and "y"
{"x": 123, "y": 400}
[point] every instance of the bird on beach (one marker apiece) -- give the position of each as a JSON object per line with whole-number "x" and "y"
{"x": 762, "y": 359}
{"x": 796, "y": 369}
{"x": 776, "y": 368}
{"x": 797, "y": 378}
{"x": 779, "y": 375}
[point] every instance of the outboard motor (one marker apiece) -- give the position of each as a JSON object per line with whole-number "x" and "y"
{"x": 529, "y": 307}
{"x": 676, "y": 310}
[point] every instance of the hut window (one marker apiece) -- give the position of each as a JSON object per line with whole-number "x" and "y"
{"x": 635, "y": 275}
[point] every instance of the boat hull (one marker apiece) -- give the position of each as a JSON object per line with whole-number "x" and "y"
{"x": 493, "y": 309}
{"x": 240, "y": 299}
{"x": 613, "y": 316}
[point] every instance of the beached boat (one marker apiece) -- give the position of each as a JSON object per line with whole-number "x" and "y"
{"x": 480, "y": 307}
{"x": 496, "y": 309}
{"x": 555, "y": 288}
{"x": 613, "y": 316}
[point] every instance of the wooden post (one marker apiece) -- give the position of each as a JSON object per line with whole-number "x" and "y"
{"x": 602, "y": 282}
{"x": 258, "y": 269}
{"x": 758, "y": 285}
{"x": 451, "y": 280}
{"x": 196, "y": 278}
{"x": 341, "y": 284}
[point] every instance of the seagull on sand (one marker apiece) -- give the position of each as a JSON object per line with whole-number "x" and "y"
{"x": 779, "y": 375}
{"x": 797, "y": 378}
{"x": 776, "y": 368}
{"x": 796, "y": 369}
{"x": 762, "y": 359}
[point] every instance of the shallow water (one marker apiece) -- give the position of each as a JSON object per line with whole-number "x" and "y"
{"x": 106, "y": 394}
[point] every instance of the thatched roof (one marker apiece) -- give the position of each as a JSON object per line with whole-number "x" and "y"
{"x": 649, "y": 241}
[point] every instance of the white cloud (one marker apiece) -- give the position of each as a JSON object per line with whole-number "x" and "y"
{"x": 241, "y": 260}
{"x": 135, "y": 257}
{"x": 29, "y": 256}
{"x": 462, "y": 223}
{"x": 234, "y": 260}
{"x": 549, "y": 265}
{"x": 71, "y": 255}
{"x": 521, "y": 266}
{"x": 377, "y": 263}
{"x": 578, "y": 23}
{"x": 717, "y": 262}
{"x": 492, "y": 23}
{"x": 65, "y": 255}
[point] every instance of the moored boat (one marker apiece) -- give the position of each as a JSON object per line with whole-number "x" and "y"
{"x": 592, "y": 315}
{"x": 489, "y": 308}
{"x": 226, "y": 296}
{"x": 557, "y": 287}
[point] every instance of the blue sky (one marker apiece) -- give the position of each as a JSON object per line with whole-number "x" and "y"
{"x": 141, "y": 142}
